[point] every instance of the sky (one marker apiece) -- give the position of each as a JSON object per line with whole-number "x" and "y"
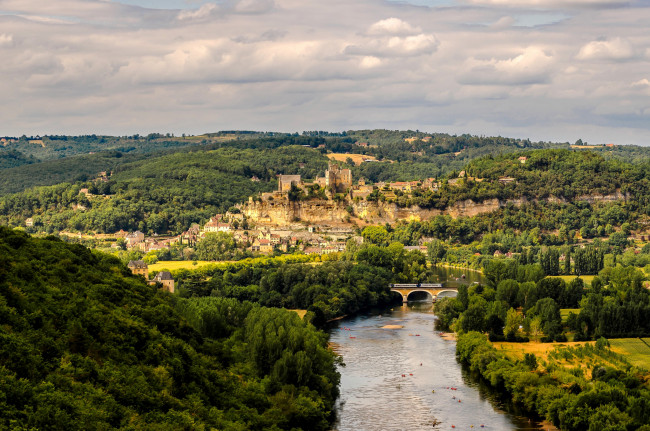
{"x": 546, "y": 70}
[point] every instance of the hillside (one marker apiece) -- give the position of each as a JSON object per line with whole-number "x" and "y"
{"x": 86, "y": 345}
{"x": 168, "y": 190}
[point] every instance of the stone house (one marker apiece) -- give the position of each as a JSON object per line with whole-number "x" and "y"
{"x": 165, "y": 278}
{"x": 262, "y": 246}
{"x": 139, "y": 267}
{"x": 134, "y": 238}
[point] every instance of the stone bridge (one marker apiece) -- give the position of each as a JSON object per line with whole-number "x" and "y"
{"x": 435, "y": 290}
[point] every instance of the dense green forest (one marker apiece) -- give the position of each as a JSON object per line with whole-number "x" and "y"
{"x": 356, "y": 280}
{"x": 87, "y": 345}
{"x": 615, "y": 304}
{"x": 162, "y": 194}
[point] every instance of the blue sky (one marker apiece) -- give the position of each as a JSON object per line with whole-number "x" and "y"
{"x": 552, "y": 70}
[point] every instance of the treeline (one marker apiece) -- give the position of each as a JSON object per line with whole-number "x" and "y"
{"x": 604, "y": 398}
{"x": 360, "y": 279}
{"x": 556, "y": 175}
{"x": 165, "y": 194}
{"x": 614, "y": 305}
{"x": 13, "y": 158}
{"x": 87, "y": 345}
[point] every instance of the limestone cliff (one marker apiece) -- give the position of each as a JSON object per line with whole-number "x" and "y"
{"x": 282, "y": 212}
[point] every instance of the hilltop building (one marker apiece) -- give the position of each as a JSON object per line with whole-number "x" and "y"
{"x": 338, "y": 180}
{"x": 286, "y": 181}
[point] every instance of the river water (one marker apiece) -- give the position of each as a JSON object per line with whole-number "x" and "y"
{"x": 409, "y": 379}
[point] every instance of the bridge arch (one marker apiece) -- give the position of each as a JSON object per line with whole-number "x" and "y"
{"x": 427, "y": 295}
{"x": 448, "y": 293}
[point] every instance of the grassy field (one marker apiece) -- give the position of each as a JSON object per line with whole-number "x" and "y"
{"x": 635, "y": 349}
{"x": 564, "y": 312}
{"x": 301, "y": 313}
{"x": 172, "y": 265}
{"x": 541, "y": 350}
{"x": 357, "y": 158}
{"x": 568, "y": 278}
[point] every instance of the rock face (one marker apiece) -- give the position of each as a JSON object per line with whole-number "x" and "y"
{"x": 322, "y": 212}
{"x": 282, "y": 212}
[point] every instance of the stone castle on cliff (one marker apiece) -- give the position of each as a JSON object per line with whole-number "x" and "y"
{"x": 336, "y": 180}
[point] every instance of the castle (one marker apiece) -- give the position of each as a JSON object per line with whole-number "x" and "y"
{"x": 336, "y": 180}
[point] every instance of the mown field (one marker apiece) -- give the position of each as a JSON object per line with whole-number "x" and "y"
{"x": 172, "y": 265}
{"x": 568, "y": 278}
{"x": 564, "y": 312}
{"x": 357, "y": 158}
{"x": 541, "y": 350}
{"x": 637, "y": 350}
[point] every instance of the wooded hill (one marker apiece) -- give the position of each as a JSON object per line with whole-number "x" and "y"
{"x": 87, "y": 345}
{"x": 167, "y": 191}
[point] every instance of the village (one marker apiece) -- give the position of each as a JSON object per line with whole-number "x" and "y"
{"x": 259, "y": 235}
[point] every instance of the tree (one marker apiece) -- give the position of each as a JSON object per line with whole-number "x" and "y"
{"x": 436, "y": 251}
{"x": 549, "y": 313}
{"x": 513, "y": 321}
{"x": 508, "y": 291}
{"x": 536, "y": 327}
{"x": 216, "y": 246}
{"x": 375, "y": 235}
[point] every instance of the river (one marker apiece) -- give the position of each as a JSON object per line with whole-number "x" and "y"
{"x": 409, "y": 379}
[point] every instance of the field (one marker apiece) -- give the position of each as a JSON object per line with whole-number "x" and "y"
{"x": 357, "y": 158}
{"x": 173, "y": 265}
{"x": 636, "y": 350}
{"x": 541, "y": 350}
{"x": 301, "y": 313}
{"x": 568, "y": 278}
{"x": 564, "y": 312}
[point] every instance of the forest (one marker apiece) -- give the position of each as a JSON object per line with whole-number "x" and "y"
{"x": 167, "y": 193}
{"x": 87, "y": 345}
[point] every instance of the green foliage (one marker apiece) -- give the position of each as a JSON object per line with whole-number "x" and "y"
{"x": 87, "y": 345}
{"x": 613, "y": 399}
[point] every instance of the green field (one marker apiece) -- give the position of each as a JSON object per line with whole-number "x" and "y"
{"x": 634, "y": 349}
{"x": 568, "y": 278}
{"x": 172, "y": 265}
{"x": 564, "y": 312}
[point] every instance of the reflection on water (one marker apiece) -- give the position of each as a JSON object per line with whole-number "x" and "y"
{"x": 407, "y": 377}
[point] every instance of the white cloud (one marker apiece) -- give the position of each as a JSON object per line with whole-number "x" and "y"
{"x": 502, "y": 23}
{"x": 393, "y": 26}
{"x": 202, "y": 12}
{"x": 532, "y": 66}
{"x": 616, "y": 49}
{"x": 393, "y": 37}
{"x": 551, "y": 3}
{"x": 6, "y": 39}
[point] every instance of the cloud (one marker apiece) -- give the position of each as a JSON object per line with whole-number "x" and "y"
{"x": 309, "y": 64}
{"x": 643, "y": 83}
{"x": 617, "y": 49}
{"x": 393, "y": 26}
{"x": 202, "y": 12}
{"x": 393, "y": 37}
{"x": 6, "y": 39}
{"x": 503, "y": 22}
{"x": 551, "y": 3}
{"x": 532, "y": 66}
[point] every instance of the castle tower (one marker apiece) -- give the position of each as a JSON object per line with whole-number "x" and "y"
{"x": 338, "y": 180}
